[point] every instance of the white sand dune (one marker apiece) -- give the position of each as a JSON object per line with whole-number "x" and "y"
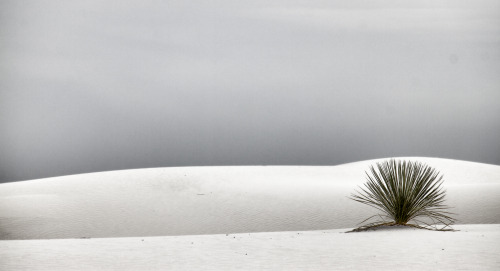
{"x": 164, "y": 207}
{"x": 219, "y": 200}
{"x": 474, "y": 247}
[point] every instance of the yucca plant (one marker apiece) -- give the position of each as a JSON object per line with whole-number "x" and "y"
{"x": 405, "y": 191}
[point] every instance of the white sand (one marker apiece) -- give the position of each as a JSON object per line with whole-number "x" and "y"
{"x": 168, "y": 202}
{"x": 474, "y": 247}
{"x": 209, "y": 200}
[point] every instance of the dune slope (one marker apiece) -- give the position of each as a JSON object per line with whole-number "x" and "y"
{"x": 474, "y": 247}
{"x": 219, "y": 200}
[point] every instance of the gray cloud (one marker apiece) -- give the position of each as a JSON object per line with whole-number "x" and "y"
{"x": 92, "y": 86}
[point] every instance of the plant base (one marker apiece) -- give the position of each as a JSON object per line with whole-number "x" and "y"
{"x": 390, "y": 224}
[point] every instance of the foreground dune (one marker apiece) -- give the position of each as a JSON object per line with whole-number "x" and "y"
{"x": 238, "y": 218}
{"x": 474, "y": 247}
{"x": 219, "y": 200}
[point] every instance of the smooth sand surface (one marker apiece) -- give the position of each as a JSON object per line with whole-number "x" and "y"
{"x": 252, "y": 218}
{"x": 219, "y": 200}
{"x": 474, "y": 247}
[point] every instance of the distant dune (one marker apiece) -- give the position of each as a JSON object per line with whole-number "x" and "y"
{"x": 220, "y": 200}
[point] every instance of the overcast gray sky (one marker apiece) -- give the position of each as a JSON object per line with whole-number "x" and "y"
{"x": 91, "y": 86}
